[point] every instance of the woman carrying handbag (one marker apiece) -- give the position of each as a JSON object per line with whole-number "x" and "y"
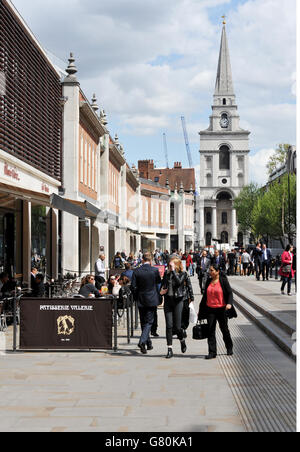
{"x": 286, "y": 270}
{"x": 217, "y": 306}
{"x": 174, "y": 291}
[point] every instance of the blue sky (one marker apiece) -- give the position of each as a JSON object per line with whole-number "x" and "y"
{"x": 151, "y": 62}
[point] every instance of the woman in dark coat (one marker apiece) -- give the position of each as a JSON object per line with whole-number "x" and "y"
{"x": 175, "y": 292}
{"x": 88, "y": 288}
{"x": 217, "y": 306}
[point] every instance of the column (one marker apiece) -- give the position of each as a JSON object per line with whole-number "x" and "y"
{"x": 214, "y": 223}
{"x": 201, "y": 226}
{"x": 233, "y": 226}
{"x": 26, "y": 242}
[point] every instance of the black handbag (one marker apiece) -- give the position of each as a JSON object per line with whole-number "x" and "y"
{"x": 287, "y": 268}
{"x": 200, "y": 331}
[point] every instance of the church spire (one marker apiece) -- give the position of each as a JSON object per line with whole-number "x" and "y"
{"x": 224, "y": 83}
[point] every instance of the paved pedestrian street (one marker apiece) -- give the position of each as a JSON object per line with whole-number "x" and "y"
{"x": 128, "y": 392}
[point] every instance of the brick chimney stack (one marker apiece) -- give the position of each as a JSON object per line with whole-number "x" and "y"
{"x": 177, "y": 165}
{"x": 144, "y": 167}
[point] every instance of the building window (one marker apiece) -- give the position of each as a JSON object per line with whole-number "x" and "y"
{"x": 241, "y": 163}
{"x": 208, "y": 239}
{"x": 208, "y": 162}
{"x": 240, "y": 180}
{"x": 224, "y": 102}
{"x": 224, "y": 237}
{"x": 240, "y": 238}
{"x": 208, "y": 180}
{"x": 208, "y": 217}
{"x": 156, "y": 179}
{"x": 224, "y": 218}
{"x": 224, "y": 158}
{"x": 172, "y": 214}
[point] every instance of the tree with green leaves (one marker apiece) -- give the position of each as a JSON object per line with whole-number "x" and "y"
{"x": 271, "y": 211}
{"x": 244, "y": 205}
{"x": 278, "y": 158}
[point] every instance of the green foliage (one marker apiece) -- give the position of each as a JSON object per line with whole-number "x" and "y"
{"x": 244, "y": 206}
{"x": 266, "y": 212}
{"x": 278, "y": 158}
{"x": 271, "y": 212}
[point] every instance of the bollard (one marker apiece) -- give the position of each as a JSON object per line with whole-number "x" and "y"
{"x": 115, "y": 324}
{"x": 128, "y": 320}
{"x": 136, "y": 315}
{"x": 131, "y": 318}
{"x": 15, "y": 325}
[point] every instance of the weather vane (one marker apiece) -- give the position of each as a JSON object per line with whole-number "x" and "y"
{"x": 224, "y": 21}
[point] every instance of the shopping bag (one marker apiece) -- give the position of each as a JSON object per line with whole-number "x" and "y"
{"x": 193, "y": 315}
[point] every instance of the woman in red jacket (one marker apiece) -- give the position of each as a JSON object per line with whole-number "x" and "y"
{"x": 286, "y": 270}
{"x": 189, "y": 264}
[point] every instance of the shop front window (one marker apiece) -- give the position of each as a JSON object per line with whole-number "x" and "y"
{"x": 39, "y": 238}
{"x": 10, "y": 235}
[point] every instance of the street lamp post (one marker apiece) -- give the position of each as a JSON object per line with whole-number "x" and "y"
{"x": 290, "y": 169}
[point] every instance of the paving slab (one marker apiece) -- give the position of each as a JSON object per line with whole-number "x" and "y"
{"x": 126, "y": 391}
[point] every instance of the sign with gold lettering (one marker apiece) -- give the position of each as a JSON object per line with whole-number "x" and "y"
{"x": 66, "y": 324}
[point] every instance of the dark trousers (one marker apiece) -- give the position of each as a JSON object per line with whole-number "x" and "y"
{"x": 147, "y": 318}
{"x": 155, "y": 323}
{"x": 218, "y": 315}
{"x": 265, "y": 270}
{"x": 202, "y": 280}
{"x": 258, "y": 269}
{"x": 287, "y": 280}
{"x": 231, "y": 268}
{"x": 173, "y": 313}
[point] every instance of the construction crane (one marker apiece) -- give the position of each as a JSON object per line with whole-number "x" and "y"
{"x": 187, "y": 144}
{"x": 166, "y": 150}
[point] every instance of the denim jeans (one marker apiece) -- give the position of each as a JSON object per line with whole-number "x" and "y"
{"x": 287, "y": 280}
{"x": 173, "y": 313}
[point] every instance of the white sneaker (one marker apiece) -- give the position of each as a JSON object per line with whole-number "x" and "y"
{"x": 289, "y": 294}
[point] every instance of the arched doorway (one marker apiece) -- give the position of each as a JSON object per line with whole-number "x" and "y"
{"x": 208, "y": 239}
{"x": 224, "y": 237}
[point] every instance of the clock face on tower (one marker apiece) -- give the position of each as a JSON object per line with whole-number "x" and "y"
{"x": 224, "y": 123}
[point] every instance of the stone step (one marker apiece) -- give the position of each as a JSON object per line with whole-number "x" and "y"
{"x": 276, "y": 333}
{"x": 281, "y": 319}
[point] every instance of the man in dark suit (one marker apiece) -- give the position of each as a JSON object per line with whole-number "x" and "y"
{"x": 203, "y": 264}
{"x": 145, "y": 287}
{"x": 231, "y": 260}
{"x": 219, "y": 260}
{"x": 257, "y": 258}
{"x": 266, "y": 262}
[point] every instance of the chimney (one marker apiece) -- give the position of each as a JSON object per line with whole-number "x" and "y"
{"x": 177, "y": 165}
{"x": 144, "y": 167}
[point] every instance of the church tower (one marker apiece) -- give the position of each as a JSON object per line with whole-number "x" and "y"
{"x": 224, "y": 160}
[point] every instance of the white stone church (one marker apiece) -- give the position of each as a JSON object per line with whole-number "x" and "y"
{"x": 224, "y": 162}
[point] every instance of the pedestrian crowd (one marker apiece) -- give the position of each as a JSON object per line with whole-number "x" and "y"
{"x": 163, "y": 279}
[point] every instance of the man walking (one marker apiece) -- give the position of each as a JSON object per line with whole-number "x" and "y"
{"x": 231, "y": 260}
{"x": 257, "y": 258}
{"x": 219, "y": 260}
{"x": 202, "y": 270}
{"x": 145, "y": 285}
{"x": 266, "y": 261}
{"x": 100, "y": 271}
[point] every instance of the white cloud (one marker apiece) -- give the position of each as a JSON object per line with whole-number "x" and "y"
{"x": 150, "y": 61}
{"x": 258, "y": 165}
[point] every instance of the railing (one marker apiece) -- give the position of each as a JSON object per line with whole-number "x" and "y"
{"x": 10, "y": 314}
